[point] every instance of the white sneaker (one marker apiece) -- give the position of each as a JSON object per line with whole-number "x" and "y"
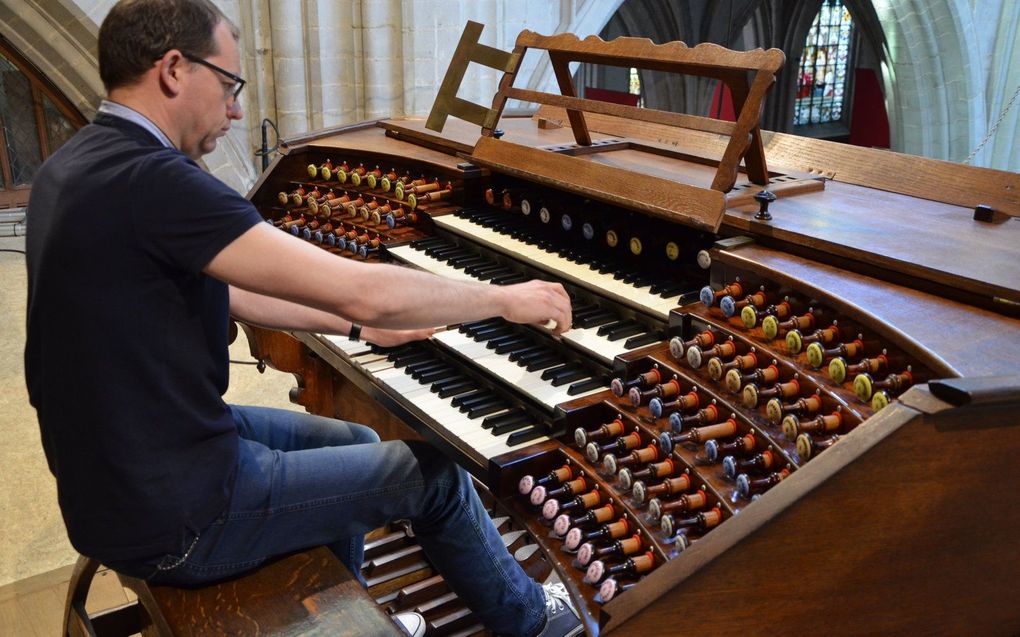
{"x": 561, "y": 620}
{"x": 411, "y": 622}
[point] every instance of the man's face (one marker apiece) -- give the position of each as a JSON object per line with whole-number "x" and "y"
{"x": 210, "y": 105}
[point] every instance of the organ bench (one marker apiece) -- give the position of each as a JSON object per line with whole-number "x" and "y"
{"x": 306, "y": 593}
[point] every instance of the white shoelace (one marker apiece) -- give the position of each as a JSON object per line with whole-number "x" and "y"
{"x": 556, "y": 597}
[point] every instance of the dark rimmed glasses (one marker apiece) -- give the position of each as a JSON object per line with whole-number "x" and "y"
{"x": 232, "y": 90}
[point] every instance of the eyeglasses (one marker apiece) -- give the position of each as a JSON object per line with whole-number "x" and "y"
{"x": 230, "y": 90}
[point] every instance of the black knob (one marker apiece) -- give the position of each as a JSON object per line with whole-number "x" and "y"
{"x": 497, "y": 133}
{"x": 764, "y": 198}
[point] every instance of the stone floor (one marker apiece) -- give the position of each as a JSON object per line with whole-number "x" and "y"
{"x": 34, "y": 541}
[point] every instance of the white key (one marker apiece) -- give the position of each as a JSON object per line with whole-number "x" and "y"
{"x": 346, "y": 345}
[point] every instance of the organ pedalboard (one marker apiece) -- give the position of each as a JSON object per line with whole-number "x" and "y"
{"x": 786, "y": 418}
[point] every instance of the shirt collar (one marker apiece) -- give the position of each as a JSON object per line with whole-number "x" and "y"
{"x": 119, "y": 110}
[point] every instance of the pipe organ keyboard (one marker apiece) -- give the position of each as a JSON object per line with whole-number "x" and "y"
{"x": 732, "y": 403}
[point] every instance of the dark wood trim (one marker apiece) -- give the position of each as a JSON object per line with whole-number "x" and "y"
{"x": 40, "y": 121}
{"x": 37, "y": 78}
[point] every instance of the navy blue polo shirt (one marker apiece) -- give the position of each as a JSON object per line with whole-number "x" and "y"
{"x": 126, "y": 357}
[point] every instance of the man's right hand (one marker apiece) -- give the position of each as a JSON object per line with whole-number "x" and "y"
{"x": 538, "y": 302}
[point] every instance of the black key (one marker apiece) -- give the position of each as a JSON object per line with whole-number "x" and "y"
{"x": 465, "y": 262}
{"x": 641, "y": 281}
{"x": 542, "y": 352}
{"x": 478, "y": 271}
{"x": 642, "y": 339}
{"x": 623, "y": 331}
{"x": 509, "y": 346}
{"x": 469, "y": 328}
{"x": 509, "y": 279}
{"x": 569, "y": 377}
{"x": 516, "y": 354}
{"x": 659, "y": 285}
{"x": 493, "y": 332}
{"x": 525, "y": 435}
{"x": 555, "y": 371}
{"x": 425, "y": 244}
{"x": 455, "y": 389}
{"x": 544, "y": 363}
{"x": 516, "y": 416}
{"x": 493, "y": 274}
{"x": 417, "y": 369}
{"x": 449, "y": 257}
{"x": 582, "y": 311}
{"x": 492, "y": 343}
{"x": 457, "y": 401}
{"x": 502, "y": 430}
{"x": 448, "y": 382}
{"x": 407, "y": 359}
{"x": 480, "y": 401}
{"x": 438, "y": 251}
{"x": 454, "y": 250}
{"x": 480, "y": 411}
{"x": 595, "y": 320}
{"x": 608, "y": 327}
{"x": 673, "y": 289}
{"x": 438, "y": 375}
{"x": 585, "y": 385}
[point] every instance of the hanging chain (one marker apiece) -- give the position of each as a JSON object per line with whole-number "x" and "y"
{"x": 995, "y": 126}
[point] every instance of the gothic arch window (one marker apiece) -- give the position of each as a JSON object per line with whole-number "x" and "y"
{"x": 825, "y": 73}
{"x": 35, "y": 120}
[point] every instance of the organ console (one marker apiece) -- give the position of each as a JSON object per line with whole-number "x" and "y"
{"x": 665, "y": 453}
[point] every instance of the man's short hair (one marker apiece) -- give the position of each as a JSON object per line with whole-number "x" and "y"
{"x": 138, "y": 32}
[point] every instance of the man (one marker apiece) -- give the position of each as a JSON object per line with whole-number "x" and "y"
{"x": 135, "y": 257}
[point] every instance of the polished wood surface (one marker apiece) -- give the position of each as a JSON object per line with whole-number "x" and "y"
{"x": 309, "y": 593}
{"x": 945, "y": 246}
{"x": 954, "y": 338}
{"x": 926, "y": 178}
{"x": 888, "y": 532}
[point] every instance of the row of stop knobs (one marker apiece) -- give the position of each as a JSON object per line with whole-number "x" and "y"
{"x": 594, "y": 527}
{"x": 340, "y": 206}
{"x": 413, "y": 190}
{"x": 643, "y": 470}
{"x": 692, "y": 417}
{"x": 842, "y": 351}
{"x": 338, "y": 238}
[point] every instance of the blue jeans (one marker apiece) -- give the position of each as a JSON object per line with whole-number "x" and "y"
{"x": 305, "y": 481}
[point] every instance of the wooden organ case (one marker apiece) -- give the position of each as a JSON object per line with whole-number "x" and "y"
{"x": 789, "y": 400}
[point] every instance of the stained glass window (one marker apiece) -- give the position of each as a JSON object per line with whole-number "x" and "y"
{"x": 35, "y": 120}
{"x": 635, "y": 82}
{"x": 824, "y": 65}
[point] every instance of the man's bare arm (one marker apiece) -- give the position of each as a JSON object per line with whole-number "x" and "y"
{"x": 268, "y": 262}
{"x": 266, "y": 311}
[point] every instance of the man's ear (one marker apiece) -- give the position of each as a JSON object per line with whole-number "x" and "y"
{"x": 171, "y": 69}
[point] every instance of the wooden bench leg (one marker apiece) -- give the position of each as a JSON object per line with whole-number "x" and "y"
{"x": 76, "y": 619}
{"x": 121, "y": 621}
